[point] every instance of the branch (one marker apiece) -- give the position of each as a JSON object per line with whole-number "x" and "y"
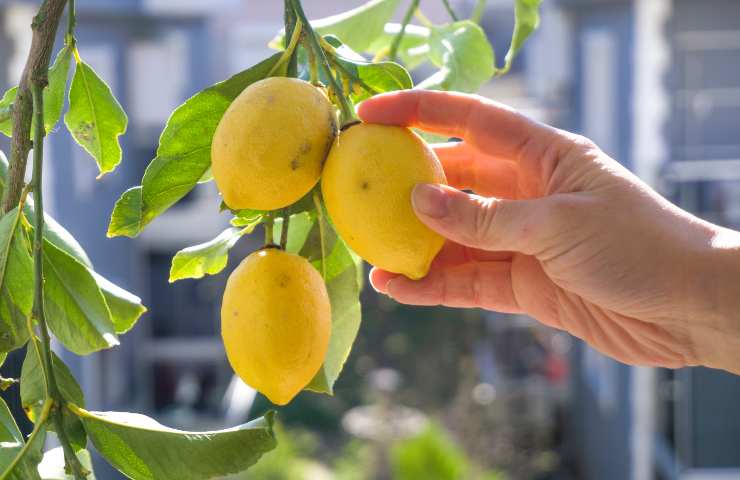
{"x": 52, "y": 389}
{"x": 393, "y": 54}
{"x": 44, "y": 26}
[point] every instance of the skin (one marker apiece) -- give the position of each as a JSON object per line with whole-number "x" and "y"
{"x": 558, "y": 230}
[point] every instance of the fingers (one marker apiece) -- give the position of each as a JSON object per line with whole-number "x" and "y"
{"x": 456, "y": 254}
{"x": 526, "y": 226}
{"x": 468, "y": 169}
{"x": 489, "y": 126}
{"x": 471, "y": 285}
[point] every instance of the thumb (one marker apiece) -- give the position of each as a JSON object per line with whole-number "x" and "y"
{"x": 483, "y": 223}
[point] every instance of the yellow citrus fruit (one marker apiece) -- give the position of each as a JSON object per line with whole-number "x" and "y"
{"x": 367, "y": 183}
{"x": 276, "y": 323}
{"x": 268, "y": 149}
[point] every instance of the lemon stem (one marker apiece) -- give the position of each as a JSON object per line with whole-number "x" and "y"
{"x": 268, "y": 225}
{"x": 284, "y": 231}
{"x": 348, "y": 111}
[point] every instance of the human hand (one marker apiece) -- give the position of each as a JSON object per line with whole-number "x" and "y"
{"x": 558, "y": 230}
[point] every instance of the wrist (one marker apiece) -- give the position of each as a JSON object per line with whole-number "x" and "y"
{"x": 714, "y": 316}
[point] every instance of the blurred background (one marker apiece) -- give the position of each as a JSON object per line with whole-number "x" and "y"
{"x": 428, "y": 393}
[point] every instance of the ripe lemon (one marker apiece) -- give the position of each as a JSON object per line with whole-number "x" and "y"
{"x": 276, "y": 323}
{"x": 367, "y": 183}
{"x": 268, "y": 149}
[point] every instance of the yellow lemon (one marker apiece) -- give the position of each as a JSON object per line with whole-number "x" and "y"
{"x": 268, "y": 149}
{"x": 367, "y": 183}
{"x": 276, "y": 323}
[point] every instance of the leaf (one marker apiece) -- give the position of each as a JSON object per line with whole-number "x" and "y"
{"x": 184, "y": 154}
{"x": 340, "y": 271}
{"x": 527, "y": 19}
{"x": 75, "y": 307}
{"x": 54, "y": 91}
{"x": 11, "y": 441}
{"x": 205, "y": 259}
{"x": 143, "y": 449}
{"x": 247, "y": 218}
{"x": 16, "y": 283}
{"x": 413, "y": 49}
{"x": 358, "y": 27}
{"x": 52, "y": 467}
{"x": 125, "y": 307}
{"x": 6, "y": 126}
{"x": 464, "y": 55}
{"x": 372, "y": 78}
{"x": 95, "y": 118}
{"x": 33, "y": 392}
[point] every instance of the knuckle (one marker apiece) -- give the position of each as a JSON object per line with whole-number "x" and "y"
{"x": 484, "y": 221}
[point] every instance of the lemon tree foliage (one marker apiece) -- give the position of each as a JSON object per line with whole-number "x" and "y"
{"x": 143, "y": 449}
{"x": 12, "y": 446}
{"x": 353, "y": 55}
{"x": 184, "y": 154}
{"x": 33, "y": 392}
{"x": 95, "y": 118}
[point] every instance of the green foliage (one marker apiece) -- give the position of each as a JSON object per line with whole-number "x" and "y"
{"x": 206, "y": 258}
{"x": 54, "y": 92}
{"x": 464, "y": 56}
{"x": 367, "y": 78}
{"x": 52, "y": 466}
{"x": 357, "y": 28}
{"x": 12, "y": 444}
{"x": 429, "y": 455}
{"x": 75, "y": 307}
{"x": 312, "y": 236}
{"x": 33, "y": 392}
{"x": 527, "y": 14}
{"x": 95, "y": 118}
{"x": 6, "y": 125}
{"x": 143, "y": 449}
{"x": 184, "y": 153}
{"x": 16, "y": 282}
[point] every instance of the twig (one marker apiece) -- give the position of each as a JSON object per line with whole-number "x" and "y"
{"x": 52, "y": 389}
{"x": 450, "y": 11}
{"x": 44, "y": 26}
{"x": 284, "y": 231}
{"x": 393, "y": 54}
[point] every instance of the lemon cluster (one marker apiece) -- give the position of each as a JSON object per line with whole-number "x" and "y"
{"x": 272, "y": 146}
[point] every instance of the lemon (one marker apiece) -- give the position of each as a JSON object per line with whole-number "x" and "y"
{"x": 276, "y": 323}
{"x": 269, "y": 147}
{"x": 367, "y": 183}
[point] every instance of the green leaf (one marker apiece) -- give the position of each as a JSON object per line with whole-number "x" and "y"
{"x": 527, "y": 19}
{"x": 184, "y": 154}
{"x": 125, "y": 307}
{"x": 3, "y": 356}
{"x": 143, "y": 449}
{"x": 95, "y": 118}
{"x": 464, "y": 55}
{"x": 205, "y": 259}
{"x": 358, "y": 27}
{"x": 54, "y": 92}
{"x": 6, "y": 125}
{"x": 33, "y": 392}
{"x": 16, "y": 282}
{"x": 342, "y": 274}
{"x": 413, "y": 49}
{"x": 75, "y": 307}
{"x": 52, "y": 467}
{"x": 369, "y": 78}
{"x": 247, "y": 218}
{"x": 12, "y": 443}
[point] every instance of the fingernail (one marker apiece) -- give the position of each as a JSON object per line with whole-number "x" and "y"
{"x": 430, "y": 200}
